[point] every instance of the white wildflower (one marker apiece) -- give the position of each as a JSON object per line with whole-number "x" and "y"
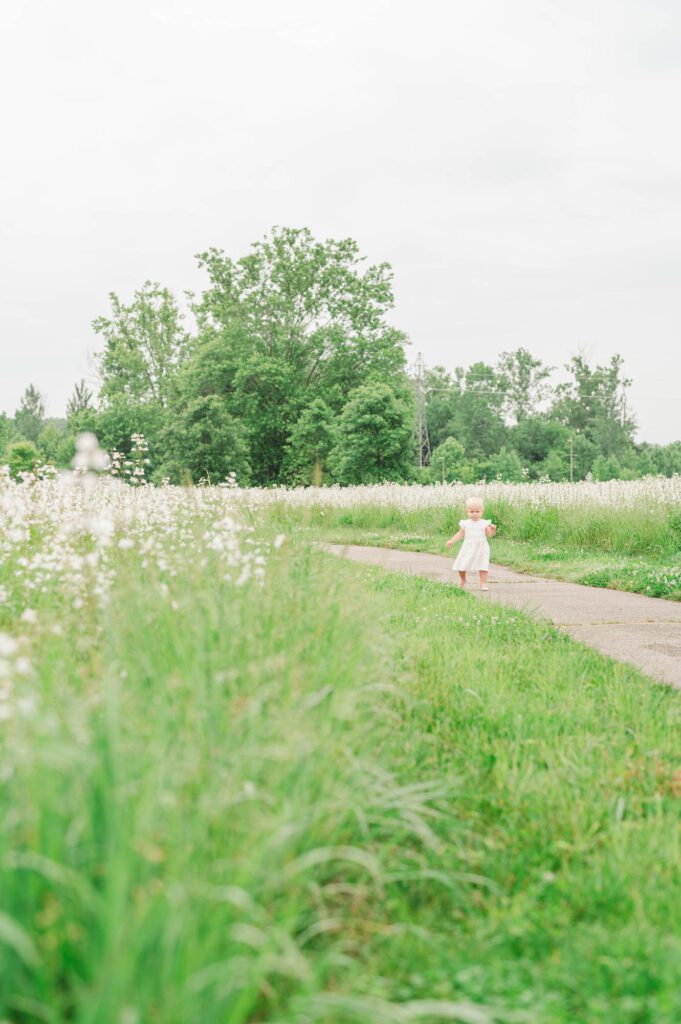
{"x": 8, "y": 646}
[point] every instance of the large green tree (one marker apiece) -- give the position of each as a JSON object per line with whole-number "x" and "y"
{"x": 145, "y": 347}
{"x": 311, "y": 440}
{"x": 311, "y": 303}
{"x": 376, "y": 437}
{"x": 293, "y": 321}
{"x": 448, "y": 462}
{"x": 205, "y": 442}
{"x": 145, "y": 344}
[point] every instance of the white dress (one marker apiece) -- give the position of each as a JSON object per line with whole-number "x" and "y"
{"x": 474, "y": 553}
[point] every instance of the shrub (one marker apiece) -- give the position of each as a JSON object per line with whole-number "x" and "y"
{"x": 22, "y": 457}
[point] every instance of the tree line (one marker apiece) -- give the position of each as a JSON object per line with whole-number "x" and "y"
{"x": 292, "y": 373}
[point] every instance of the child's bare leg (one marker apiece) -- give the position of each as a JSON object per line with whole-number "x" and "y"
{"x": 462, "y": 578}
{"x": 483, "y": 580}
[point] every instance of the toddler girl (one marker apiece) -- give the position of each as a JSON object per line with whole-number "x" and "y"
{"x": 474, "y": 552}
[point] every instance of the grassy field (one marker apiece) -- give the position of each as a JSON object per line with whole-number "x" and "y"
{"x": 242, "y": 781}
{"x": 627, "y": 548}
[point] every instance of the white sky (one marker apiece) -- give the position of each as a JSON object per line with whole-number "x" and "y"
{"x": 518, "y": 163}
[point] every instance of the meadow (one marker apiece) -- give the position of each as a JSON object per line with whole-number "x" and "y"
{"x": 243, "y": 781}
{"x": 620, "y": 534}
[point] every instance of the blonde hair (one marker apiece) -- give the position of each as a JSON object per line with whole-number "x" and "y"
{"x": 475, "y": 500}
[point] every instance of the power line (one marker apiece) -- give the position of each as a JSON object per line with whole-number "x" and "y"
{"x": 476, "y": 391}
{"x": 423, "y": 440}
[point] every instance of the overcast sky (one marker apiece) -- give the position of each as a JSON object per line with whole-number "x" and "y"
{"x": 517, "y": 161}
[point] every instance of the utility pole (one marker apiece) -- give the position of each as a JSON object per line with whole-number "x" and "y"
{"x": 571, "y": 458}
{"x": 421, "y": 425}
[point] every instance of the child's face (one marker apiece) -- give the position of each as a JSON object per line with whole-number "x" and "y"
{"x": 474, "y": 512}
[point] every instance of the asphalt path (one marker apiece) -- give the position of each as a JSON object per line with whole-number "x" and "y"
{"x": 644, "y": 631}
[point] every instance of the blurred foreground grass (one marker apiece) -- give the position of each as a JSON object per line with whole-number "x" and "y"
{"x": 346, "y": 796}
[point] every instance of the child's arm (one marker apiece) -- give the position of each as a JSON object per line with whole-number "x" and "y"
{"x": 455, "y": 538}
{"x": 490, "y": 530}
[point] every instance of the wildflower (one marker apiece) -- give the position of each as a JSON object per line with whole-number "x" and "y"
{"x": 89, "y": 456}
{"x": 8, "y": 646}
{"x": 26, "y": 705}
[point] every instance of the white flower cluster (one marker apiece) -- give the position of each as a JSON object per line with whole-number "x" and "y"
{"x": 14, "y": 665}
{"x": 623, "y": 494}
{"x": 70, "y": 535}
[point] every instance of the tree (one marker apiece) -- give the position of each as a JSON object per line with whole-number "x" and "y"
{"x": 606, "y": 468}
{"x": 583, "y": 454}
{"x": 555, "y": 466}
{"x": 611, "y": 437}
{"x": 478, "y": 420}
{"x": 534, "y": 437}
{"x": 85, "y": 421}
{"x": 80, "y": 400}
{"x": 523, "y": 380}
{"x": 312, "y": 438}
{"x": 506, "y": 466}
{"x": 115, "y": 424}
{"x": 263, "y": 399}
{"x": 593, "y": 403}
{"x": 205, "y": 440}
{"x": 49, "y": 443}
{"x": 442, "y": 396}
{"x": 8, "y": 431}
{"x": 643, "y": 463}
{"x": 30, "y": 415}
{"x": 22, "y": 457}
{"x": 293, "y": 322}
{"x": 145, "y": 344}
{"x": 665, "y": 458}
{"x": 308, "y": 303}
{"x": 448, "y": 461}
{"x": 376, "y": 437}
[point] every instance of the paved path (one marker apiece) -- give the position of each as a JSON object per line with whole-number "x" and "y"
{"x": 645, "y": 631}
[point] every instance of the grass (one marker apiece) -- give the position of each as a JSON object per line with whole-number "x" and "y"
{"x": 346, "y": 796}
{"x": 601, "y": 547}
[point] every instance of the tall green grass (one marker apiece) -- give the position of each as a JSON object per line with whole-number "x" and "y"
{"x": 346, "y": 796}
{"x": 636, "y": 550}
{"x": 654, "y": 532}
{"x": 196, "y": 825}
